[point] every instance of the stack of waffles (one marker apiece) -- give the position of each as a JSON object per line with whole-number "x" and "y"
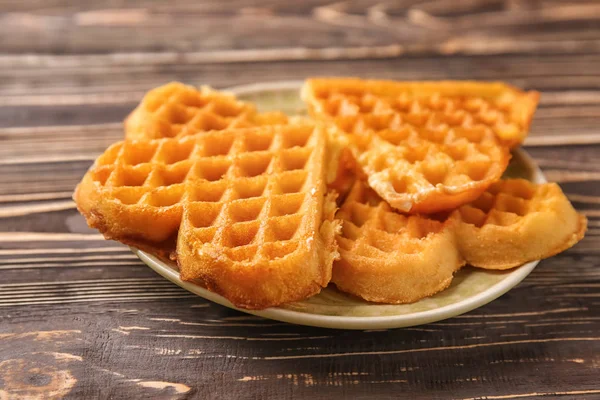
{"x": 386, "y": 190}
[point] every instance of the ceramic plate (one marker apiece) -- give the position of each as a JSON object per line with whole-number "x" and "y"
{"x": 471, "y": 288}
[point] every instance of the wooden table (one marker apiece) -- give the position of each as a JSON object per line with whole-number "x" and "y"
{"x": 81, "y": 317}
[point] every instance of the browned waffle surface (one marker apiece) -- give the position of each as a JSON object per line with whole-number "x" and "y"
{"x": 176, "y": 110}
{"x": 248, "y": 206}
{"x": 504, "y": 109}
{"x": 424, "y": 146}
{"x": 390, "y": 257}
{"x": 420, "y": 171}
{"x": 516, "y": 221}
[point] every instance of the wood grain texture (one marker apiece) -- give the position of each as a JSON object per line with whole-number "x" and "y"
{"x": 81, "y": 317}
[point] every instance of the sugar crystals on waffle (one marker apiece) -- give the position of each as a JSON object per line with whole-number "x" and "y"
{"x": 248, "y": 208}
{"x": 176, "y": 110}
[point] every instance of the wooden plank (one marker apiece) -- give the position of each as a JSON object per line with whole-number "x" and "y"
{"x": 366, "y": 27}
{"x": 125, "y": 77}
{"x": 221, "y": 354}
{"x": 81, "y": 317}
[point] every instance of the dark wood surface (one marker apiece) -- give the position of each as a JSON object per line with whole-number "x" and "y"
{"x": 81, "y": 317}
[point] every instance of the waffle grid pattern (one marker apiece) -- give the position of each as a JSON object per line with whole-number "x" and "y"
{"x": 504, "y": 203}
{"x": 407, "y": 166}
{"x": 516, "y": 221}
{"x": 390, "y": 257}
{"x": 424, "y": 147}
{"x": 244, "y": 193}
{"x": 513, "y": 222}
{"x": 435, "y": 112}
{"x": 176, "y": 110}
{"x": 434, "y": 105}
{"x": 369, "y": 221}
{"x": 372, "y": 229}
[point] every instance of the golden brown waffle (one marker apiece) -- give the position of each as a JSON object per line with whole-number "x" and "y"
{"x": 393, "y": 258}
{"x": 440, "y": 105}
{"x": 176, "y": 110}
{"x": 248, "y": 207}
{"x": 426, "y": 153}
{"x": 420, "y": 172}
{"x": 389, "y": 257}
{"x": 516, "y": 221}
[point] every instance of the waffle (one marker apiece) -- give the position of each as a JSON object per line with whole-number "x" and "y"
{"x": 247, "y": 206}
{"x": 441, "y": 105}
{"x": 426, "y": 153}
{"x": 388, "y": 257}
{"x": 516, "y": 221}
{"x": 176, "y": 110}
{"x": 342, "y": 169}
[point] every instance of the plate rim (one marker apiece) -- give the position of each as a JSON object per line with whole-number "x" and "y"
{"x": 353, "y": 322}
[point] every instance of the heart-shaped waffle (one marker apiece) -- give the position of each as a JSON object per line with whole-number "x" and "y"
{"x": 389, "y": 257}
{"x": 425, "y": 146}
{"x": 516, "y": 221}
{"x": 504, "y": 109}
{"x": 176, "y": 110}
{"x": 248, "y": 208}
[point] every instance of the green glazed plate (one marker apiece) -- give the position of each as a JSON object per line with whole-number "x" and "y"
{"x": 471, "y": 288}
